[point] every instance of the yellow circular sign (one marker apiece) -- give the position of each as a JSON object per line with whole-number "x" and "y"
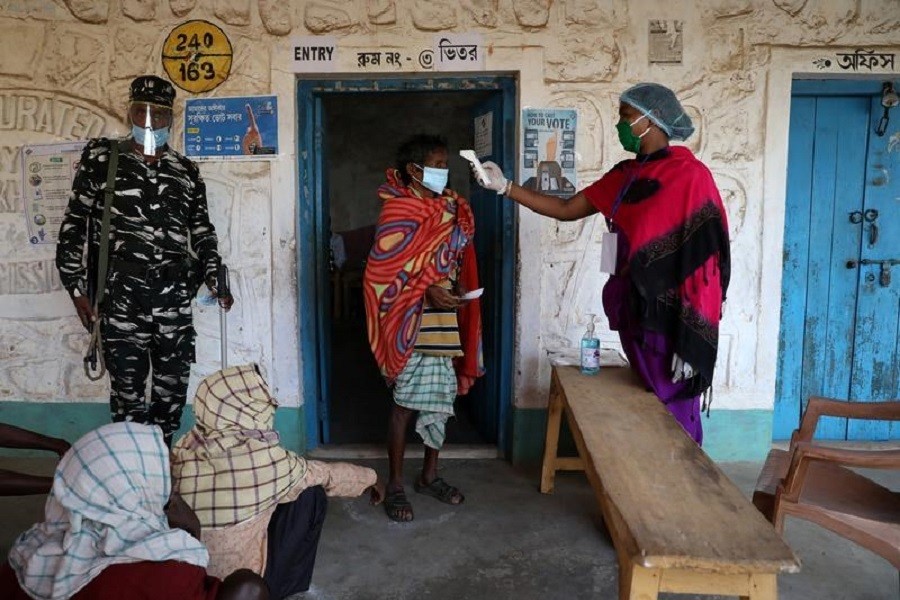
{"x": 197, "y": 56}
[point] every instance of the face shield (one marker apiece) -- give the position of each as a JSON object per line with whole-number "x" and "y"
{"x": 150, "y": 124}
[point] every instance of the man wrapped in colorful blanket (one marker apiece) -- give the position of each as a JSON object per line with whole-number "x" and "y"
{"x": 426, "y": 341}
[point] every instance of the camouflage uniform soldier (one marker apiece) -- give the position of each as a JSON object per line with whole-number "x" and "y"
{"x": 158, "y": 217}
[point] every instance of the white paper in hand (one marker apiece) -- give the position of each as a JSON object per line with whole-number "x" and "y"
{"x": 470, "y": 156}
{"x": 473, "y": 294}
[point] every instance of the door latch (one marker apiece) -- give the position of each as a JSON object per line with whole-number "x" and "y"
{"x": 884, "y": 278}
{"x": 871, "y": 216}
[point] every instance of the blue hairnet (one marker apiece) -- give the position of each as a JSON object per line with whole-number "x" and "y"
{"x": 662, "y": 107}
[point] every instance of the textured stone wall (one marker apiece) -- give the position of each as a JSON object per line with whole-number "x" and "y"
{"x": 66, "y": 64}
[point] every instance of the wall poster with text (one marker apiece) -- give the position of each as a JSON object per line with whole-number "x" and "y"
{"x": 48, "y": 171}
{"x": 244, "y": 128}
{"x": 548, "y": 151}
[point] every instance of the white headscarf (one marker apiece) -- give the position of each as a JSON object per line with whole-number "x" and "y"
{"x": 106, "y": 508}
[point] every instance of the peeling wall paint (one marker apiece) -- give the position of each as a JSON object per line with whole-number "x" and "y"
{"x": 738, "y": 60}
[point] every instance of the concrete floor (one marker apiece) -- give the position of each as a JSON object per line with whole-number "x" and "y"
{"x": 509, "y": 541}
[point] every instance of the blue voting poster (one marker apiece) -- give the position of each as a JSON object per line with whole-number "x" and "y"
{"x": 231, "y": 128}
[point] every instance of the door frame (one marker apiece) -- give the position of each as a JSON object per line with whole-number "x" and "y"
{"x": 788, "y": 411}
{"x": 312, "y": 219}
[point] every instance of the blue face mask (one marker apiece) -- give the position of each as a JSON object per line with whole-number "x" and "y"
{"x": 434, "y": 179}
{"x": 150, "y": 138}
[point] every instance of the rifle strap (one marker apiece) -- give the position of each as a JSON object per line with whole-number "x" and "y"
{"x": 108, "y": 196}
{"x": 95, "y": 346}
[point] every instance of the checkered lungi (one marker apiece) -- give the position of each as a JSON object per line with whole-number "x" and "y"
{"x": 427, "y": 384}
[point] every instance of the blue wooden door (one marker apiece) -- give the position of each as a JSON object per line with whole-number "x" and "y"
{"x": 487, "y": 207}
{"x": 312, "y": 263}
{"x": 876, "y": 356}
{"x": 839, "y": 324}
{"x": 495, "y": 247}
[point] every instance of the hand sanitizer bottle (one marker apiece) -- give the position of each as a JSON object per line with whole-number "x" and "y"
{"x": 590, "y": 350}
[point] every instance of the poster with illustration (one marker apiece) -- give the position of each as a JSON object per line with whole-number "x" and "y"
{"x": 548, "y": 151}
{"x": 244, "y": 128}
{"x": 47, "y": 174}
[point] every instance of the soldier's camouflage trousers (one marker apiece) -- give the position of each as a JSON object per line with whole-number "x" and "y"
{"x": 148, "y": 325}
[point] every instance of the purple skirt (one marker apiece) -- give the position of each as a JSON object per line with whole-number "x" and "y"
{"x": 650, "y": 355}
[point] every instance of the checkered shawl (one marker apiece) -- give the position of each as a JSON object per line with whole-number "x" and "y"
{"x": 105, "y": 508}
{"x": 230, "y": 467}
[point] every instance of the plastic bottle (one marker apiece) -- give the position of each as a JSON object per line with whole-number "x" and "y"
{"x": 590, "y": 350}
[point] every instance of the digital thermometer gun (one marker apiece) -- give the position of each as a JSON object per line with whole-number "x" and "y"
{"x": 469, "y": 155}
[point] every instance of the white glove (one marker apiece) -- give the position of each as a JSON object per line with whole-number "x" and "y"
{"x": 681, "y": 369}
{"x": 498, "y": 182}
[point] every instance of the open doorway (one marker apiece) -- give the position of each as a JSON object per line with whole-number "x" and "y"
{"x": 349, "y": 132}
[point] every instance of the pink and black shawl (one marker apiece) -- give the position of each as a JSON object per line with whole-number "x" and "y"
{"x": 678, "y": 258}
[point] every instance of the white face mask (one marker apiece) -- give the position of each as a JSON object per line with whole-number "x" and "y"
{"x": 434, "y": 179}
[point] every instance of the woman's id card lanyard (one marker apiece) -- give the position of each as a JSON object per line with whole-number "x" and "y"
{"x": 609, "y": 247}
{"x": 609, "y": 242}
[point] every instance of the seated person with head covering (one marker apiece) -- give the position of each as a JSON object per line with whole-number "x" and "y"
{"x": 114, "y": 530}
{"x": 21, "y": 484}
{"x": 261, "y": 507}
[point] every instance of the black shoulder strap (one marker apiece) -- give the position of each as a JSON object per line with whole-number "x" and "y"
{"x": 109, "y": 194}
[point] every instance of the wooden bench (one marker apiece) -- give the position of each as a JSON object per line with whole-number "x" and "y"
{"x": 677, "y": 522}
{"x": 812, "y": 481}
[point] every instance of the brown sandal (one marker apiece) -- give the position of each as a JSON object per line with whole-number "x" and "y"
{"x": 395, "y": 503}
{"x": 441, "y": 490}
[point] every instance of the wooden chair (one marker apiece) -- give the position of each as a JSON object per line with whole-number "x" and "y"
{"x": 812, "y": 481}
